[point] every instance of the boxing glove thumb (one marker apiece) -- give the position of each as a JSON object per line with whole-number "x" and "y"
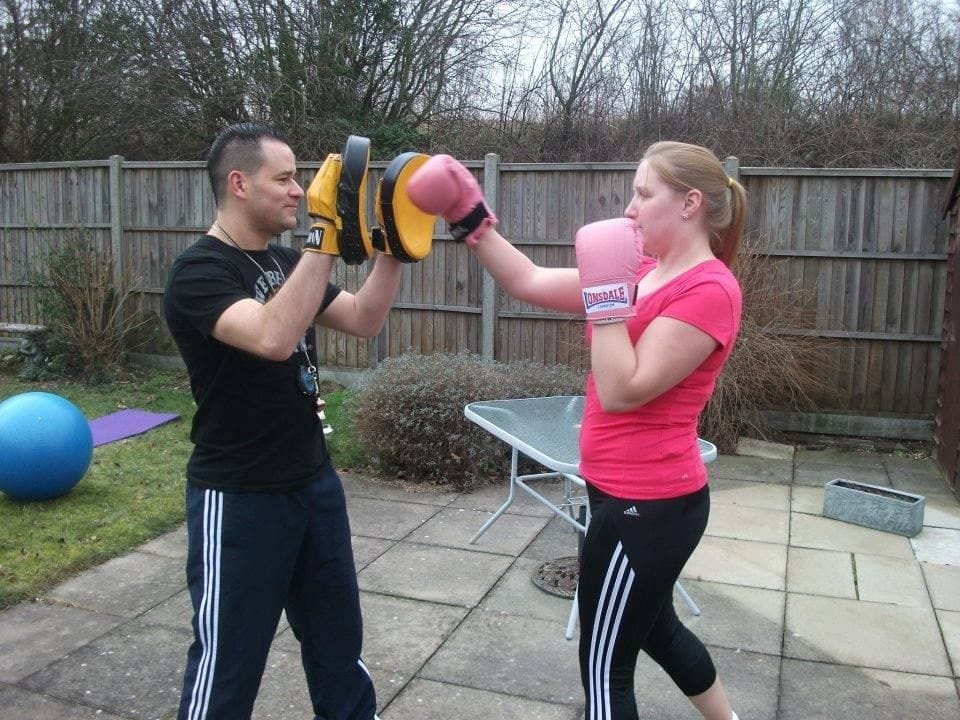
{"x": 324, "y": 236}
{"x": 608, "y": 260}
{"x": 442, "y": 186}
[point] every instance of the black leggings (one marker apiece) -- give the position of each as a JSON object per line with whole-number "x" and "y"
{"x": 632, "y": 556}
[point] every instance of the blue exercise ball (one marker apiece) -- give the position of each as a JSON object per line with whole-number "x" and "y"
{"x": 45, "y": 446}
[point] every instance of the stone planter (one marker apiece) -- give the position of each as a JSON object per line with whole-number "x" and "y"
{"x": 873, "y": 506}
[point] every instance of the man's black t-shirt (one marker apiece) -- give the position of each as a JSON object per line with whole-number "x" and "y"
{"x": 254, "y": 429}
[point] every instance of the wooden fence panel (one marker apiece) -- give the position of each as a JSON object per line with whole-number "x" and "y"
{"x": 42, "y": 206}
{"x": 866, "y": 252}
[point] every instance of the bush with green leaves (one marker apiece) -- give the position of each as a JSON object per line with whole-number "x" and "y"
{"x": 408, "y": 413}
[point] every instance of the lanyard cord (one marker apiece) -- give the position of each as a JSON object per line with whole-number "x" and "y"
{"x": 302, "y": 345}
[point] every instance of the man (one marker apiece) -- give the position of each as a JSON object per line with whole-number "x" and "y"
{"x": 266, "y": 515}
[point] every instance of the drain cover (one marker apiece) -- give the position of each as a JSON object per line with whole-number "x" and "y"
{"x": 558, "y": 577}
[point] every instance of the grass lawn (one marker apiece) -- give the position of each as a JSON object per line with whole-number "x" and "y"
{"x": 132, "y": 492}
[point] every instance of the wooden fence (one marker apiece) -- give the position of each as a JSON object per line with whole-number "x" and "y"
{"x": 865, "y": 248}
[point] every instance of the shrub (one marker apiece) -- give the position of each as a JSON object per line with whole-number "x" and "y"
{"x": 766, "y": 370}
{"x": 408, "y": 413}
{"x": 92, "y": 315}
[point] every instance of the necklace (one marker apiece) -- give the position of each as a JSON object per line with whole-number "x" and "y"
{"x": 308, "y": 376}
{"x": 283, "y": 278}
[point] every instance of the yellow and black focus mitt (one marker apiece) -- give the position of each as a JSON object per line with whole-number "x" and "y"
{"x": 406, "y": 232}
{"x": 336, "y": 199}
{"x": 322, "y": 207}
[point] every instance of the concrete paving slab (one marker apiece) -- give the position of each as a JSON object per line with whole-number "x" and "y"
{"x": 435, "y": 574}
{"x": 738, "y": 562}
{"x": 387, "y": 519}
{"x": 174, "y": 613}
{"x": 827, "y": 534}
{"x": 822, "y": 473}
{"x": 823, "y": 691}
{"x": 922, "y": 476}
{"x": 283, "y": 691}
{"x": 950, "y": 626}
{"x": 516, "y": 594}
{"x": 738, "y": 618}
{"x": 890, "y": 580}
{"x": 864, "y": 634}
{"x": 657, "y": 696}
{"x": 821, "y": 572}
{"x": 469, "y": 632}
{"x": 750, "y": 679}
{"x": 930, "y": 488}
{"x": 749, "y": 523}
{"x": 400, "y": 636}
{"x": 430, "y": 700}
{"x": 136, "y": 582}
{"x": 752, "y": 447}
{"x": 19, "y": 704}
{"x": 557, "y": 539}
{"x": 941, "y": 512}
{"x": 359, "y": 485}
{"x": 453, "y": 527}
{"x": 282, "y": 626}
{"x": 135, "y": 671}
{"x": 510, "y": 654}
{"x": 908, "y": 464}
{"x": 173, "y": 544}
{"x": 737, "y": 467}
{"x": 34, "y": 634}
{"x": 838, "y": 456}
{"x": 807, "y": 499}
{"x": 937, "y": 545}
{"x": 943, "y": 583}
{"x": 724, "y": 491}
{"x": 285, "y": 640}
{"x": 490, "y": 497}
{"x": 367, "y": 549}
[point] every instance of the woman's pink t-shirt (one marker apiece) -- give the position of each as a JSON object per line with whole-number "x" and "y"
{"x": 651, "y": 452}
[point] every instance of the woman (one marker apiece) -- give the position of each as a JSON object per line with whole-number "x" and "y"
{"x": 663, "y": 311}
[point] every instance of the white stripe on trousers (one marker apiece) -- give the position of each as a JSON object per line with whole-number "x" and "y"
{"x": 610, "y": 605}
{"x": 209, "y": 612}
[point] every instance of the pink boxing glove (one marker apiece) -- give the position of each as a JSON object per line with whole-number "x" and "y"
{"x": 608, "y": 258}
{"x": 442, "y": 186}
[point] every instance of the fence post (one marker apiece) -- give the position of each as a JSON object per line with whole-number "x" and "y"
{"x": 488, "y": 307}
{"x": 116, "y": 217}
{"x": 116, "y": 233}
{"x": 732, "y": 165}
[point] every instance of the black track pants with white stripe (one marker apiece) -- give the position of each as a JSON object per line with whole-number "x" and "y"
{"x": 632, "y": 556}
{"x": 251, "y": 556}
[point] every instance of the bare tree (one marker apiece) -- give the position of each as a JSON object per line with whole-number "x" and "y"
{"x": 582, "y": 73}
{"x": 894, "y": 82}
{"x": 772, "y": 81}
{"x": 47, "y": 69}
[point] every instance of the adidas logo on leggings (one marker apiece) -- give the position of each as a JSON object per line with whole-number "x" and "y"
{"x": 632, "y": 511}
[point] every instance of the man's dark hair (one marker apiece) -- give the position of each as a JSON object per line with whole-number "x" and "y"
{"x": 237, "y": 147}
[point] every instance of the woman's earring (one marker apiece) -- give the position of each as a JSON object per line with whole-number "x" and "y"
{"x": 685, "y": 217}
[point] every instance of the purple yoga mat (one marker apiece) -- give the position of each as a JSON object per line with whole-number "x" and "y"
{"x": 126, "y": 423}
